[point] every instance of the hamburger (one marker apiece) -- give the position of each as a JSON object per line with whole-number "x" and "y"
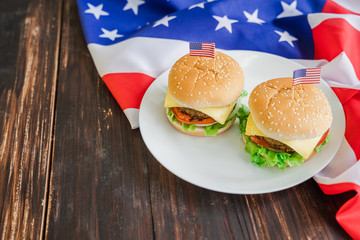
{"x": 285, "y": 124}
{"x": 202, "y": 94}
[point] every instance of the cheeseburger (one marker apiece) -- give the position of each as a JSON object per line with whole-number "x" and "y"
{"x": 203, "y": 93}
{"x": 287, "y": 123}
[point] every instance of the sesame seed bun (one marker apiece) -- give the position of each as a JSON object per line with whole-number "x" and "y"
{"x": 199, "y": 82}
{"x": 286, "y": 112}
{"x": 199, "y": 131}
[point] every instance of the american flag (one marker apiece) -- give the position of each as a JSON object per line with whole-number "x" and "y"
{"x": 132, "y": 42}
{"x": 306, "y": 76}
{"x": 202, "y": 49}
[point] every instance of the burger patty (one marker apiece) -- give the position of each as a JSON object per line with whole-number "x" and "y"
{"x": 195, "y": 115}
{"x": 272, "y": 143}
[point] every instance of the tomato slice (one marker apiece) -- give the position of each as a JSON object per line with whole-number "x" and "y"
{"x": 183, "y": 117}
{"x": 322, "y": 139}
{"x": 260, "y": 141}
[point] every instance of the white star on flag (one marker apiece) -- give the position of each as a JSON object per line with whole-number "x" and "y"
{"x": 133, "y": 5}
{"x": 224, "y": 22}
{"x": 96, "y": 11}
{"x": 110, "y": 34}
{"x": 200, "y": 5}
{"x": 164, "y": 21}
{"x": 253, "y": 18}
{"x": 286, "y": 37}
{"x": 289, "y": 10}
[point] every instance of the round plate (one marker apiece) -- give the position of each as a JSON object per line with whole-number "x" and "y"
{"x": 220, "y": 163}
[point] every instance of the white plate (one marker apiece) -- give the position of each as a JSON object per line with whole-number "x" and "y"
{"x": 220, "y": 163}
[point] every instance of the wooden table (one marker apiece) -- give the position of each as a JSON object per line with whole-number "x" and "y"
{"x": 72, "y": 168}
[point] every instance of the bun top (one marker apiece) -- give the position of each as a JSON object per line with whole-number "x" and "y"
{"x": 287, "y": 112}
{"x": 199, "y": 82}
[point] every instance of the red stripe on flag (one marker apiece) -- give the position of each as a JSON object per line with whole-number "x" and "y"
{"x": 339, "y": 187}
{"x": 306, "y": 81}
{"x": 348, "y": 215}
{"x": 128, "y": 88}
{"x": 332, "y": 7}
{"x": 203, "y": 55}
{"x": 350, "y": 99}
{"x": 333, "y": 36}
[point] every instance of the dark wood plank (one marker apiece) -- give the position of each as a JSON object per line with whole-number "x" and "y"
{"x": 301, "y": 212}
{"x": 30, "y": 33}
{"x": 183, "y": 211}
{"x": 99, "y": 184}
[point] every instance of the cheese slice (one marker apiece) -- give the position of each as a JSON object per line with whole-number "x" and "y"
{"x": 219, "y": 114}
{"x": 304, "y": 147}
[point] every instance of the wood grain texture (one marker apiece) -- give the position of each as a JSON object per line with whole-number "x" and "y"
{"x": 301, "y": 212}
{"x": 99, "y": 186}
{"x": 30, "y": 33}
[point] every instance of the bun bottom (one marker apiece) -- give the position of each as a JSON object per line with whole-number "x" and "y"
{"x": 310, "y": 156}
{"x": 199, "y": 131}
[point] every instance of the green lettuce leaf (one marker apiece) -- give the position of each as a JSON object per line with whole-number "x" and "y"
{"x": 295, "y": 160}
{"x": 190, "y": 127}
{"x": 327, "y": 139}
{"x": 171, "y": 115}
{"x": 244, "y": 93}
{"x": 242, "y": 114}
{"x": 263, "y": 156}
{"x": 212, "y": 130}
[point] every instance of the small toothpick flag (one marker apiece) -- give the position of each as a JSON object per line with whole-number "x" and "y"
{"x": 202, "y": 49}
{"x": 306, "y": 76}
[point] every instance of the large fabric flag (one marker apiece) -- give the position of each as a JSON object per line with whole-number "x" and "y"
{"x": 133, "y": 41}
